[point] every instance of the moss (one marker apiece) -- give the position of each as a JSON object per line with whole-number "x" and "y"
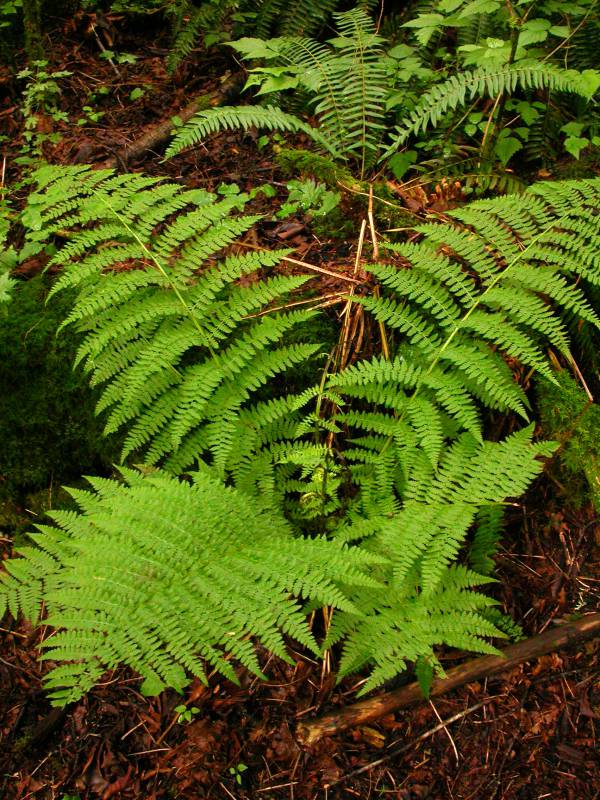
{"x": 48, "y": 429}
{"x": 568, "y": 416}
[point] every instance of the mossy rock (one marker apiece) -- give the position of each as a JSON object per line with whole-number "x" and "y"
{"x": 48, "y": 430}
{"x": 568, "y": 416}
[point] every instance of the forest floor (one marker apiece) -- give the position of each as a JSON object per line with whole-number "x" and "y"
{"x": 531, "y": 732}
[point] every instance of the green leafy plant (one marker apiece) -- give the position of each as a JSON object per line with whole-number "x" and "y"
{"x": 40, "y": 98}
{"x": 8, "y": 260}
{"x": 237, "y": 772}
{"x": 8, "y": 10}
{"x": 359, "y": 492}
{"x": 493, "y": 36}
{"x": 185, "y": 714}
{"x": 90, "y": 115}
{"x": 355, "y": 84}
{"x": 310, "y": 197}
{"x": 118, "y": 58}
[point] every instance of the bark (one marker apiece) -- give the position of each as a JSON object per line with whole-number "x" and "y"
{"x": 374, "y": 707}
{"x": 32, "y": 27}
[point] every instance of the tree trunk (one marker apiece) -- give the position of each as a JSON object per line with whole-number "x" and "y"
{"x": 32, "y": 27}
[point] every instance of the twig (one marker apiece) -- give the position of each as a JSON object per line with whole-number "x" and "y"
{"x": 431, "y": 732}
{"x": 374, "y": 707}
{"x": 382, "y": 332}
{"x": 321, "y": 301}
{"x": 345, "y": 335}
{"x": 105, "y": 51}
{"x": 448, "y": 734}
{"x": 317, "y": 269}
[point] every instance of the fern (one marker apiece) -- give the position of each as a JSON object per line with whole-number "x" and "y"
{"x": 389, "y": 456}
{"x": 302, "y": 19}
{"x": 141, "y": 603}
{"x": 214, "y": 120}
{"x": 351, "y": 83}
{"x": 172, "y": 344}
{"x": 347, "y": 81}
{"x": 498, "y": 277}
{"x": 461, "y": 89}
{"x": 189, "y": 21}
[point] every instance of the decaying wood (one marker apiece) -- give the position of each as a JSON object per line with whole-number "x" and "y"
{"x": 46, "y": 727}
{"x": 157, "y": 134}
{"x": 374, "y": 707}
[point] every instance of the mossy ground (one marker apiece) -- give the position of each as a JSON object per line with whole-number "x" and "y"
{"x": 568, "y": 416}
{"x": 48, "y": 429}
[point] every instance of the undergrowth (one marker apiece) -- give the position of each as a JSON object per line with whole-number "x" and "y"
{"x": 357, "y": 489}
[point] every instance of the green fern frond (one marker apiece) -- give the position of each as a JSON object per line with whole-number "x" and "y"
{"x": 189, "y": 21}
{"x": 461, "y": 89}
{"x": 486, "y": 538}
{"x": 141, "y": 605}
{"x": 302, "y": 19}
{"x": 402, "y": 628}
{"x": 143, "y": 316}
{"x": 215, "y": 120}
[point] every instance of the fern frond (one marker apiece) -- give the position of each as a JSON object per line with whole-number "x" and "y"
{"x": 215, "y": 120}
{"x": 461, "y": 89}
{"x": 141, "y": 605}
{"x": 144, "y": 315}
{"x": 189, "y": 21}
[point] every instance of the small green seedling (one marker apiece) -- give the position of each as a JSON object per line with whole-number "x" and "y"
{"x": 185, "y": 714}
{"x": 90, "y": 115}
{"x": 237, "y": 772}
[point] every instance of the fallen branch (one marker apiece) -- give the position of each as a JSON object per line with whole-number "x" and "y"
{"x": 374, "y": 707}
{"x": 395, "y": 753}
{"x": 157, "y": 134}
